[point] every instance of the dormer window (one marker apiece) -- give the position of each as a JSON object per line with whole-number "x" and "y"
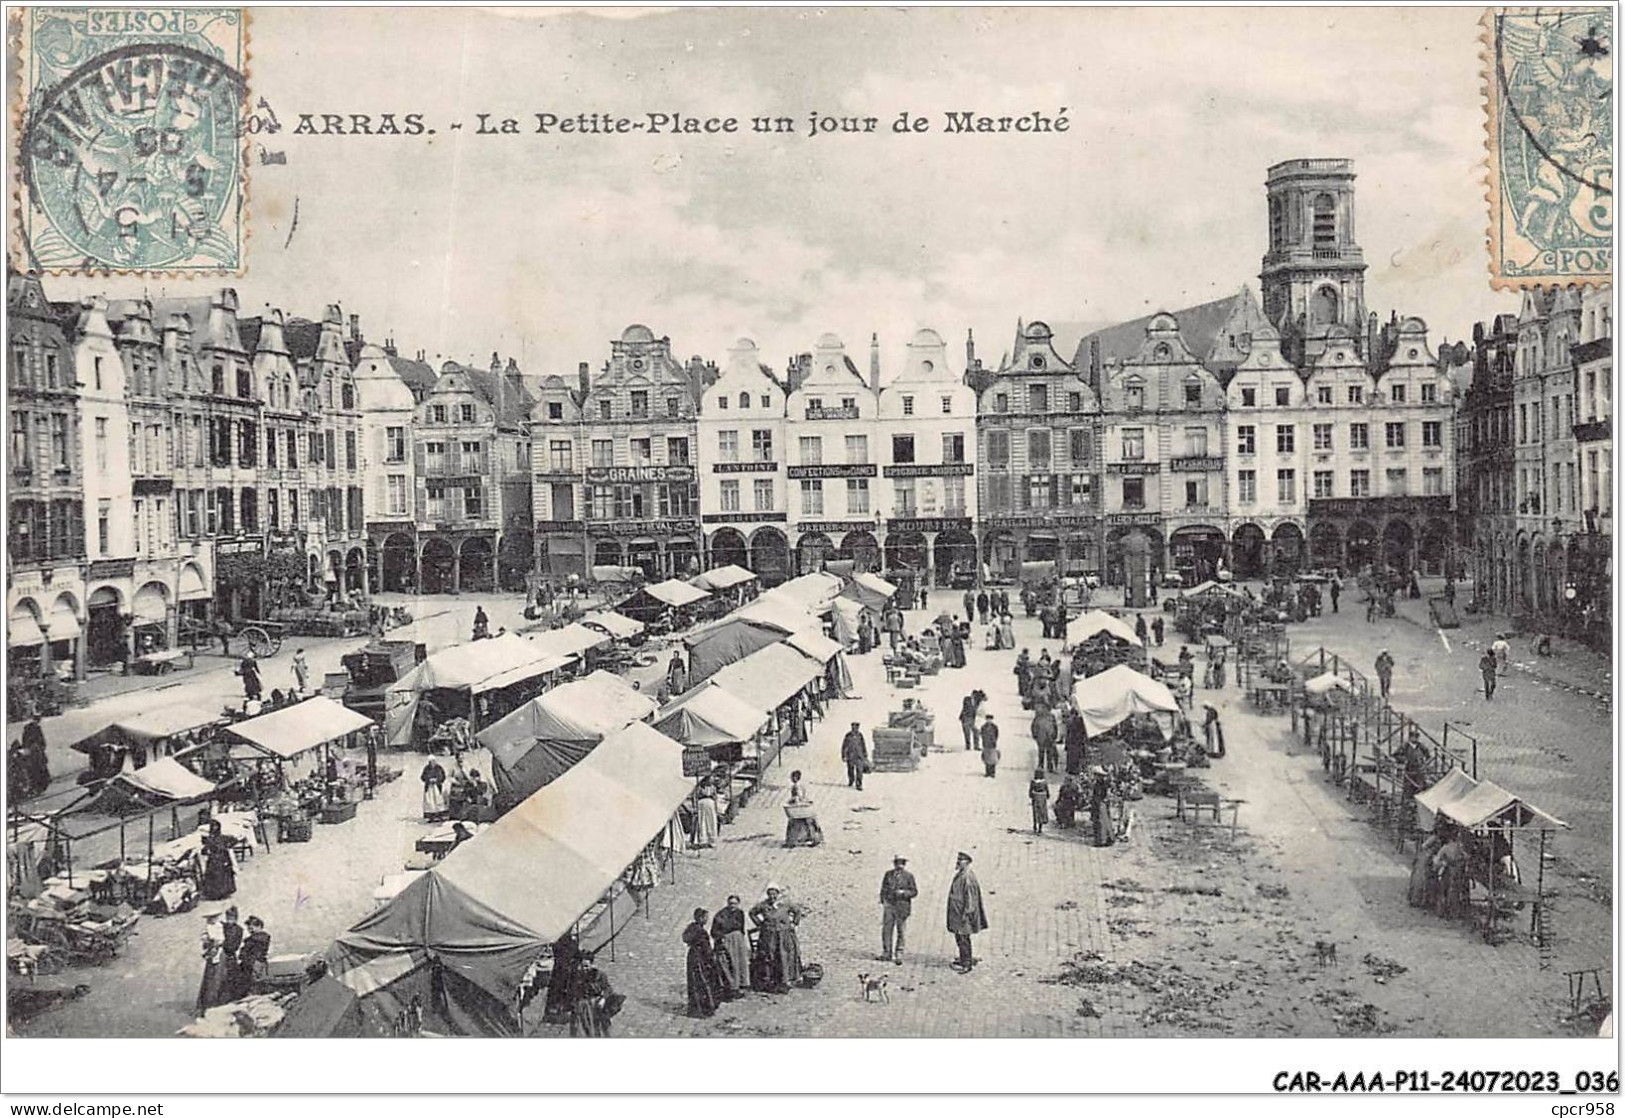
{"x": 744, "y": 400}
{"x": 1134, "y": 395}
{"x": 555, "y": 412}
{"x": 1001, "y": 402}
{"x": 767, "y": 401}
{"x": 908, "y": 405}
{"x": 1249, "y": 397}
{"x": 1193, "y": 391}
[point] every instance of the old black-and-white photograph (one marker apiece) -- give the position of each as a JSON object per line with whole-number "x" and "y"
{"x": 810, "y": 523}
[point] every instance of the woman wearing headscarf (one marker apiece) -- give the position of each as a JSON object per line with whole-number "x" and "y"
{"x": 593, "y": 1000}
{"x": 435, "y": 807}
{"x": 566, "y": 956}
{"x": 704, "y": 979}
{"x": 219, "y": 873}
{"x": 706, "y": 821}
{"x": 778, "y": 948}
{"x": 732, "y": 949}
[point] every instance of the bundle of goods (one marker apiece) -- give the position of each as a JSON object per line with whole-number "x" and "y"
{"x": 31, "y": 959}
{"x": 453, "y": 736}
{"x": 896, "y": 750}
{"x": 255, "y": 1015}
{"x": 915, "y": 717}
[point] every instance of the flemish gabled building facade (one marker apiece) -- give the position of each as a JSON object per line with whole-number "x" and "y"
{"x": 1544, "y": 412}
{"x": 1590, "y": 556}
{"x": 740, "y": 455}
{"x": 832, "y": 468}
{"x": 384, "y": 395}
{"x": 1487, "y": 494}
{"x": 638, "y": 432}
{"x": 1038, "y": 466}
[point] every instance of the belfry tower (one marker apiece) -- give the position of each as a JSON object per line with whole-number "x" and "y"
{"x": 1314, "y": 273}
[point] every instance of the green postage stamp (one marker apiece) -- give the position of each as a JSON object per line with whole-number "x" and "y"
{"x": 1549, "y": 94}
{"x": 130, "y": 152}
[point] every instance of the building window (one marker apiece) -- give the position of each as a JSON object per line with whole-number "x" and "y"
{"x": 1356, "y": 393}
{"x": 908, "y": 405}
{"x": 812, "y": 450}
{"x": 762, "y": 489}
{"x": 1081, "y": 491}
{"x": 59, "y": 442}
{"x": 744, "y": 401}
{"x": 1134, "y": 395}
{"x": 722, "y": 401}
{"x": 560, "y": 455}
{"x": 1432, "y": 433}
{"x": 857, "y": 496}
{"x": 761, "y": 445}
{"x": 293, "y": 450}
{"x": 1038, "y": 398}
{"x": 1246, "y": 486}
{"x": 466, "y": 413}
{"x": 857, "y": 450}
{"x": 1249, "y": 397}
{"x": 998, "y": 449}
{"x": 1078, "y": 445}
{"x": 1323, "y": 483}
{"x": 101, "y": 445}
{"x": 998, "y": 493}
{"x": 674, "y": 411}
{"x": 903, "y": 497}
{"x": 1196, "y": 442}
{"x": 947, "y": 405}
{"x": 1286, "y": 486}
{"x": 104, "y": 513}
{"x": 1323, "y": 394}
{"x": 1133, "y": 492}
{"x": 1286, "y": 438}
{"x": 555, "y": 411}
{"x": 601, "y": 501}
{"x": 394, "y": 444}
{"x": 1074, "y": 401}
{"x": 728, "y": 446}
{"x": 1133, "y": 444}
{"x": 767, "y": 400}
{"x": 1283, "y": 395}
{"x": 472, "y": 458}
{"x": 1196, "y": 492}
{"x": 22, "y": 459}
{"x": 1396, "y": 483}
{"x": 349, "y": 450}
{"x": 1323, "y": 436}
{"x": 676, "y": 450}
{"x": 641, "y": 450}
{"x": 1359, "y": 436}
{"x": 604, "y": 412}
{"x": 730, "y": 496}
{"x": 902, "y": 449}
{"x": 812, "y": 497}
{"x": 953, "y": 496}
{"x": 1001, "y": 403}
{"x": 603, "y": 452}
{"x": 1246, "y": 439}
{"x": 953, "y": 448}
{"x": 1430, "y": 393}
{"x": 1193, "y": 392}
{"x": 437, "y": 413}
{"x": 849, "y": 403}
{"x": 1394, "y": 435}
{"x": 397, "y": 495}
{"x": 1396, "y": 393}
{"x": 472, "y": 504}
{"x": 1433, "y": 481}
{"x": 1038, "y": 448}
{"x": 640, "y": 404}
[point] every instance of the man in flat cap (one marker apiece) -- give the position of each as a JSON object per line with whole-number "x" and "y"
{"x": 897, "y": 892}
{"x": 966, "y": 916}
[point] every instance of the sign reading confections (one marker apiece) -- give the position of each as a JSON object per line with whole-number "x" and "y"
{"x": 860, "y": 469}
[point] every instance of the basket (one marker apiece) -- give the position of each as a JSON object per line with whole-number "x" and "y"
{"x": 811, "y": 975}
{"x": 295, "y": 829}
{"x": 799, "y": 811}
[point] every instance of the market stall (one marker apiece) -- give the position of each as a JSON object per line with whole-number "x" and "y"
{"x": 1097, "y": 622}
{"x": 775, "y": 679}
{"x": 614, "y": 625}
{"x": 1107, "y": 699}
{"x": 725, "y": 731}
{"x": 868, "y": 590}
{"x": 729, "y": 639}
{"x": 288, "y": 747}
{"x": 811, "y": 642}
{"x": 461, "y": 940}
{"x": 673, "y": 602}
{"x": 447, "y": 684}
{"x": 162, "y": 783}
{"x": 617, "y": 576}
{"x": 729, "y": 585}
{"x": 134, "y": 741}
{"x": 540, "y": 741}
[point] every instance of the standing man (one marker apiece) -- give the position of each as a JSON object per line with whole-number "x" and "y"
{"x": 1486, "y": 668}
{"x": 966, "y": 916}
{"x": 897, "y": 892}
{"x": 967, "y": 719}
{"x": 970, "y": 604}
{"x": 1336, "y": 591}
{"x": 301, "y": 673}
{"x": 855, "y": 752}
{"x": 1502, "y": 651}
{"x": 1385, "y": 671}
{"x": 1044, "y": 735}
{"x": 1157, "y": 630}
{"x": 990, "y": 746}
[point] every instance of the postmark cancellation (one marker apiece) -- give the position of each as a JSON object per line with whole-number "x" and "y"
{"x": 130, "y": 153}
{"x": 1549, "y": 91}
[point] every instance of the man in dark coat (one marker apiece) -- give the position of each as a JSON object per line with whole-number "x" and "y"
{"x": 1044, "y": 735}
{"x": 36, "y": 771}
{"x": 966, "y": 916}
{"x": 897, "y": 892}
{"x": 981, "y": 607}
{"x": 855, "y": 752}
{"x": 1076, "y": 741}
{"x": 1385, "y": 671}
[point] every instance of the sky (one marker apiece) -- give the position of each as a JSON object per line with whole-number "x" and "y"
{"x": 545, "y": 248}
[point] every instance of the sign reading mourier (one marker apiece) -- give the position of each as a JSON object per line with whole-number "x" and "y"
{"x": 130, "y": 153}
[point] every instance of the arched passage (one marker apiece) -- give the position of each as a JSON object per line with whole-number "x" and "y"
{"x": 477, "y": 565}
{"x": 1435, "y": 552}
{"x": 1198, "y": 550}
{"x": 1325, "y": 545}
{"x": 1042, "y": 547}
{"x": 954, "y": 553}
{"x": 905, "y": 550}
{"x": 811, "y": 550}
{"x": 682, "y": 557}
{"x": 644, "y": 554}
{"x": 355, "y": 570}
{"x": 999, "y": 553}
{"x": 104, "y": 628}
{"x": 396, "y": 565}
{"x": 1247, "y": 551}
{"x": 1362, "y": 545}
{"x": 606, "y": 553}
{"x": 1398, "y": 546}
{"x": 1287, "y": 541}
{"x": 728, "y": 548}
{"x": 769, "y": 556}
{"x": 439, "y": 564}
{"x": 516, "y": 558}
{"x": 862, "y": 548}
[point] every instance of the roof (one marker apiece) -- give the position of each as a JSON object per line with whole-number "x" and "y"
{"x": 1086, "y": 625}
{"x": 1473, "y": 803}
{"x": 710, "y": 715}
{"x": 166, "y": 779}
{"x": 768, "y": 676}
{"x": 419, "y": 376}
{"x": 481, "y": 665}
{"x": 812, "y": 642}
{"x": 868, "y": 589}
{"x": 676, "y": 592}
{"x": 166, "y": 721}
{"x": 723, "y": 578}
{"x": 615, "y": 624}
{"x": 293, "y": 730}
{"x": 1198, "y": 326}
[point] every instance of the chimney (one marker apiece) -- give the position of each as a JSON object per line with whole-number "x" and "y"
{"x": 874, "y": 362}
{"x": 584, "y": 374}
{"x": 496, "y": 362}
{"x": 355, "y": 328}
{"x": 970, "y": 349}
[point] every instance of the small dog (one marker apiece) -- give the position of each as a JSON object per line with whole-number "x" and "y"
{"x": 1325, "y": 953}
{"x": 874, "y": 988}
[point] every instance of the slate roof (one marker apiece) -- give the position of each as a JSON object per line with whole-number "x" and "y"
{"x": 1199, "y": 326}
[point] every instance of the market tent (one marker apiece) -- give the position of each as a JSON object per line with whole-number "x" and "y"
{"x": 1474, "y": 803}
{"x": 649, "y": 602}
{"x": 616, "y": 625}
{"x": 541, "y": 740}
{"x": 814, "y": 644}
{"x": 814, "y": 590}
{"x": 159, "y": 783}
{"x": 722, "y": 578}
{"x": 152, "y": 725}
{"x": 480, "y": 918}
{"x": 846, "y": 615}
{"x": 570, "y": 641}
{"x": 1211, "y": 587}
{"x": 616, "y": 574}
{"x": 1095, "y": 621}
{"x": 744, "y": 631}
{"x": 842, "y": 568}
{"x": 710, "y": 716}
{"x": 475, "y": 667}
{"x": 1106, "y": 699}
{"x": 1038, "y": 572}
{"x": 326, "y": 1008}
{"x": 288, "y": 732}
{"x": 868, "y": 589}
{"x": 768, "y": 677}
{"x": 1327, "y": 681}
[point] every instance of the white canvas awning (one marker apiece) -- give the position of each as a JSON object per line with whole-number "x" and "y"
{"x": 1089, "y": 624}
{"x": 812, "y": 642}
{"x": 22, "y": 629}
{"x": 710, "y": 716}
{"x": 1475, "y": 803}
{"x": 616, "y": 625}
{"x": 1327, "y": 681}
{"x": 1106, "y": 699}
{"x": 676, "y": 593}
{"x": 723, "y": 578}
{"x": 293, "y": 730}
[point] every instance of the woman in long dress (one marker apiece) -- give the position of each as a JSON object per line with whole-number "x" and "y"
{"x": 591, "y": 996}
{"x": 219, "y": 872}
{"x": 1420, "y": 892}
{"x": 801, "y": 828}
{"x": 1038, "y": 796}
{"x": 435, "y": 807}
{"x": 777, "y": 943}
{"x": 213, "y": 946}
{"x": 706, "y": 821}
{"x": 252, "y": 957}
{"x": 732, "y": 949}
{"x": 704, "y": 979}
{"x": 232, "y": 986}
{"x": 1007, "y": 632}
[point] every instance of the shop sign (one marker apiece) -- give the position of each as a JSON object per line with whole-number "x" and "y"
{"x": 558, "y": 475}
{"x": 1134, "y": 518}
{"x": 391, "y": 525}
{"x": 849, "y": 412}
{"x": 1437, "y": 505}
{"x": 613, "y": 474}
{"x": 243, "y": 545}
{"x": 696, "y": 760}
{"x": 645, "y": 527}
{"x": 946, "y": 469}
{"x": 561, "y": 525}
{"x": 929, "y": 524}
{"x": 861, "y": 469}
{"x": 837, "y": 526}
{"x": 744, "y": 467}
{"x": 743, "y": 517}
{"x": 112, "y": 568}
{"x": 1133, "y": 467}
{"x": 1195, "y": 465}
{"x": 1057, "y": 522}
